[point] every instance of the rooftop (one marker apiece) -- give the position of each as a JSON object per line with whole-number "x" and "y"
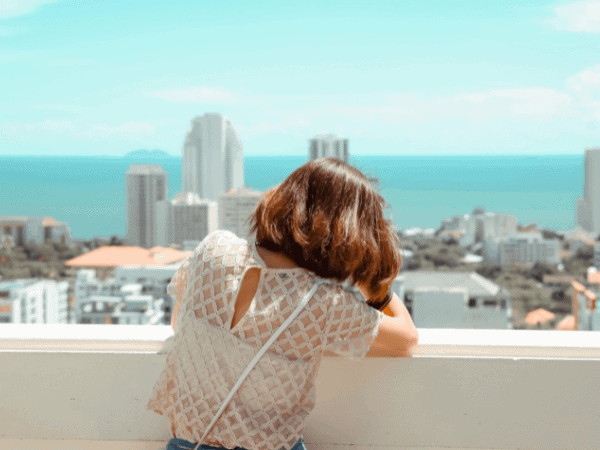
{"x": 145, "y": 169}
{"x": 19, "y": 221}
{"x": 475, "y": 283}
{"x": 113, "y": 256}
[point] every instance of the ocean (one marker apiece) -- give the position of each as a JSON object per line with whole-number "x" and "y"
{"x": 89, "y": 192}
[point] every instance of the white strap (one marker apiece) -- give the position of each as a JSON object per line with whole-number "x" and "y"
{"x": 264, "y": 348}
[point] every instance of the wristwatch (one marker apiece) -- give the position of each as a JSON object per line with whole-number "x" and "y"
{"x": 384, "y": 302}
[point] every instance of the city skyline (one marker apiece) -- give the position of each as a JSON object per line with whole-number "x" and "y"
{"x": 397, "y": 79}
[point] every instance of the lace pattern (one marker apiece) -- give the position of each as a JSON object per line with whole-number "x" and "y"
{"x": 208, "y": 355}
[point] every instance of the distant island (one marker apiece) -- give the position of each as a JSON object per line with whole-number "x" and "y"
{"x": 149, "y": 154}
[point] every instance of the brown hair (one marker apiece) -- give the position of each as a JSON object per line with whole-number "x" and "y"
{"x": 328, "y": 218}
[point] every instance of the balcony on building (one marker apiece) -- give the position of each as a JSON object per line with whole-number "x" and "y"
{"x": 87, "y": 387}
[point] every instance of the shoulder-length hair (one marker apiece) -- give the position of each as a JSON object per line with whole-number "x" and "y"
{"x": 328, "y": 218}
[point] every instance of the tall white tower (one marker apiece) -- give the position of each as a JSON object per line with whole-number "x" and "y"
{"x": 213, "y": 159}
{"x": 146, "y": 184}
{"x": 328, "y": 145}
{"x": 588, "y": 207}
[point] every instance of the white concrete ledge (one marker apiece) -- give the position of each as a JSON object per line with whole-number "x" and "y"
{"x": 433, "y": 342}
{"x": 87, "y": 386}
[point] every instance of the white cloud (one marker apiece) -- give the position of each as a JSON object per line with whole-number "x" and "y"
{"x": 14, "y": 8}
{"x": 581, "y": 17}
{"x": 538, "y": 103}
{"x": 586, "y": 81}
{"x": 196, "y": 95}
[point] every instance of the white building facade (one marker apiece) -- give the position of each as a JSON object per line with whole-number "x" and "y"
{"x": 34, "y": 301}
{"x": 136, "y": 295}
{"x": 146, "y": 184}
{"x": 213, "y": 159}
{"x": 235, "y": 208}
{"x": 454, "y": 300}
{"x": 521, "y": 248}
{"x": 481, "y": 225}
{"x": 328, "y": 145}
{"x": 24, "y": 230}
{"x": 588, "y": 207}
{"x": 185, "y": 218}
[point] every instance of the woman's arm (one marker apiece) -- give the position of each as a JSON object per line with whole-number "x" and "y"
{"x": 174, "y": 314}
{"x": 397, "y": 335}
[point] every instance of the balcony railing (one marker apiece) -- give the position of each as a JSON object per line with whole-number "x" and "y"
{"x": 86, "y": 387}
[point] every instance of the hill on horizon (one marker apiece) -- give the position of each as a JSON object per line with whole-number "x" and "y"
{"x": 152, "y": 154}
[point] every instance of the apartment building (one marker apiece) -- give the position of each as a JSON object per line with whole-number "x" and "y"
{"x": 328, "y": 145}
{"x": 185, "y": 218}
{"x": 521, "y": 248}
{"x": 34, "y": 301}
{"x": 21, "y": 230}
{"x": 454, "y": 300}
{"x": 213, "y": 158}
{"x": 146, "y": 184}
{"x": 480, "y": 225}
{"x": 235, "y": 208}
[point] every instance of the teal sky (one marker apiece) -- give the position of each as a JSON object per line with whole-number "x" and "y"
{"x": 428, "y": 77}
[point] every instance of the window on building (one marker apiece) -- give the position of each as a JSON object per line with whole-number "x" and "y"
{"x": 490, "y": 302}
{"x": 472, "y": 302}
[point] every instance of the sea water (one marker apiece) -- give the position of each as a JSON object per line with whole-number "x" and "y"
{"x": 89, "y": 192}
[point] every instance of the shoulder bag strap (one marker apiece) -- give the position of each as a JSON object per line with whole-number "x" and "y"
{"x": 261, "y": 352}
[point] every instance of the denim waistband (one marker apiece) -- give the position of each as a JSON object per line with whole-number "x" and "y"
{"x": 177, "y": 444}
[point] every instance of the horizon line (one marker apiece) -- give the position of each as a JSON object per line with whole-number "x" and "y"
{"x": 168, "y": 155}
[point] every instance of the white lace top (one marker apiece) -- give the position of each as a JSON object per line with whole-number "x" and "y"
{"x": 208, "y": 356}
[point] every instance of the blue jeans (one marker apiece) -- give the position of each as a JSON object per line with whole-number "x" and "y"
{"x": 181, "y": 444}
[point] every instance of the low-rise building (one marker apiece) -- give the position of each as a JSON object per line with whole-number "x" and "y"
{"x": 454, "y": 300}
{"x": 22, "y": 230}
{"x": 521, "y": 248}
{"x": 130, "y": 310}
{"x": 130, "y": 284}
{"x": 480, "y": 225}
{"x": 34, "y": 301}
{"x": 585, "y": 308}
{"x": 597, "y": 255}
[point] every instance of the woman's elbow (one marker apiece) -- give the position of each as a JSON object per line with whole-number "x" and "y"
{"x": 408, "y": 345}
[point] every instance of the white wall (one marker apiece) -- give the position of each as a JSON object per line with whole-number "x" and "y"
{"x": 433, "y": 307}
{"x": 463, "y": 389}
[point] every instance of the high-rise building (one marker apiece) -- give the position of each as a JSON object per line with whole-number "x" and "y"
{"x": 588, "y": 207}
{"x": 185, "y": 218}
{"x": 328, "y": 145}
{"x": 235, "y": 208}
{"x": 213, "y": 159}
{"x": 146, "y": 184}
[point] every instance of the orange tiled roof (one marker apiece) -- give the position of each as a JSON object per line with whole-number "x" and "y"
{"x": 568, "y": 323}
{"x": 528, "y": 230}
{"x": 540, "y": 315}
{"x": 49, "y": 222}
{"x": 113, "y": 256}
{"x": 593, "y": 277}
{"x": 17, "y": 221}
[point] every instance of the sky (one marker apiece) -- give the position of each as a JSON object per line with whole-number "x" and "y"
{"x": 395, "y": 78}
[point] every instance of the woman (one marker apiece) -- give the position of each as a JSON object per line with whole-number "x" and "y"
{"x": 321, "y": 227}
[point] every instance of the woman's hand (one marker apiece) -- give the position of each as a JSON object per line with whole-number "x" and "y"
{"x": 397, "y": 335}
